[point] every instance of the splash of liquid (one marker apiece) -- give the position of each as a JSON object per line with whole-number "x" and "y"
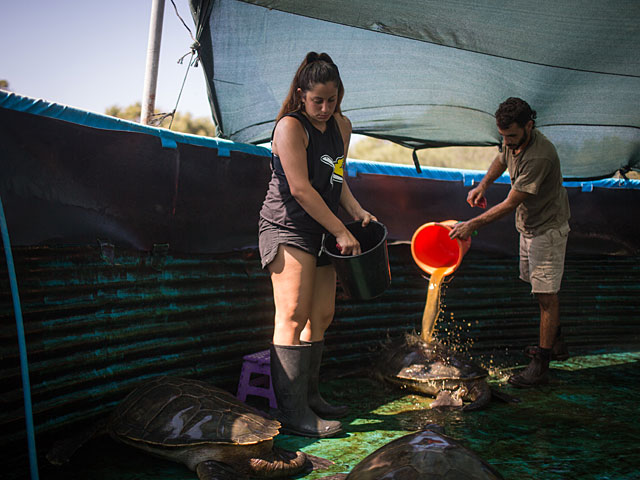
{"x": 432, "y": 307}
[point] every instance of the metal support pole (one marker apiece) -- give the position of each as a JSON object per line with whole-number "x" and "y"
{"x": 153, "y": 56}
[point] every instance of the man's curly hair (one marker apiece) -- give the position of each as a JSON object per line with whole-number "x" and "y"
{"x": 516, "y": 110}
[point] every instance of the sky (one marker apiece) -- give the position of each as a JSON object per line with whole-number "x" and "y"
{"x": 91, "y": 54}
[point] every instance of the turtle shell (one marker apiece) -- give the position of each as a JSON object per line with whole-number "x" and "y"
{"x": 173, "y": 411}
{"x": 424, "y": 454}
{"x": 417, "y": 361}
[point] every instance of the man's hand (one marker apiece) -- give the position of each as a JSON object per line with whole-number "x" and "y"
{"x": 475, "y": 197}
{"x": 462, "y": 230}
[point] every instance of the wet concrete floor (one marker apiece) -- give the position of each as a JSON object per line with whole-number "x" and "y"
{"x": 584, "y": 425}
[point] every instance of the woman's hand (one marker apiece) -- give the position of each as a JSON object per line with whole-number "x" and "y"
{"x": 364, "y": 217}
{"x": 347, "y": 243}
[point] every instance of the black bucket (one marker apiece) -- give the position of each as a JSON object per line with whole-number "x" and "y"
{"x": 366, "y": 275}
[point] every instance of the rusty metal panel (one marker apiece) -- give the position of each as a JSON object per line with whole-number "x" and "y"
{"x": 99, "y": 319}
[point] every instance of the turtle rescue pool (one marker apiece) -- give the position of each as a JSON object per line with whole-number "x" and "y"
{"x": 584, "y": 424}
{"x": 134, "y": 256}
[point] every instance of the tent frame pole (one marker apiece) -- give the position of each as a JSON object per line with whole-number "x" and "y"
{"x": 153, "y": 60}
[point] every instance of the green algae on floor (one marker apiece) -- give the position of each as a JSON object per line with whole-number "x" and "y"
{"x": 583, "y": 425}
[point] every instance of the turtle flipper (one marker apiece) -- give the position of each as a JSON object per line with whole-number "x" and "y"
{"x": 505, "y": 397}
{"x": 212, "y": 470}
{"x": 447, "y": 399}
{"x": 279, "y": 463}
{"x": 480, "y": 395}
{"x": 318, "y": 463}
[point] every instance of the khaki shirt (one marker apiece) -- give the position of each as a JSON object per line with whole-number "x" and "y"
{"x": 536, "y": 171}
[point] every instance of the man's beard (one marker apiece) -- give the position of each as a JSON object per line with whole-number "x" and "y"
{"x": 523, "y": 140}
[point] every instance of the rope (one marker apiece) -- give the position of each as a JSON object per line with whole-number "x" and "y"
{"x": 185, "y": 25}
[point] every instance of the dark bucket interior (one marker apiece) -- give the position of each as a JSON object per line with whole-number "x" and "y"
{"x": 366, "y": 275}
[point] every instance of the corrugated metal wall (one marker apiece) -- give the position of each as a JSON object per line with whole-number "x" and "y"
{"x": 98, "y": 320}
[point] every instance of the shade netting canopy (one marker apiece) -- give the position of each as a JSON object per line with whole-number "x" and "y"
{"x": 425, "y": 73}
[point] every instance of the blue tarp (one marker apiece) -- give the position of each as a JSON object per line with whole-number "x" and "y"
{"x": 168, "y": 138}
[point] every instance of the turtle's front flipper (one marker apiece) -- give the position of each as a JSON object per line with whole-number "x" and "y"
{"x": 447, "y": 399}
{"x": 505, "y": 397}
{"x": 212, "y": 470}
{"x": 62, "y": 450}
{"x": 480, "y": 395}
{"x": 278, "y": 463}
{"x": 318, "y": 463}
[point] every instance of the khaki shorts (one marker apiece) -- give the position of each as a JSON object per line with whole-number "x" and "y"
{"x": 542, "y": 259}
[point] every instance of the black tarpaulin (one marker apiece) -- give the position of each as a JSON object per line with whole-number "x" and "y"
{"x": 73, "y": 177}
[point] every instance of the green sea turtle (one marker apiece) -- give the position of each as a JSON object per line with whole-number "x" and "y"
{"x": 433, "y": 369}
{"x": 421, "y": 455}
{"x": 192, "y": 422}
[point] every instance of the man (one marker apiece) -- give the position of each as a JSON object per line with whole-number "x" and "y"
{"x": 542, "y": 214}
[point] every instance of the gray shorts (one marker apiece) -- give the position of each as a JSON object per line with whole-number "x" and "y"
{"x": 542, "y": 259}
{"x": 271, "y": 236}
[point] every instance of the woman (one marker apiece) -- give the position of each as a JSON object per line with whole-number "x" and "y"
{"x": 309, "y": 145}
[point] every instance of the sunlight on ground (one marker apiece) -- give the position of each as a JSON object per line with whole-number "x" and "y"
{"x": 596, "y": 361}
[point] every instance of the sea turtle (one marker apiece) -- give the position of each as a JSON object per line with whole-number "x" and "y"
{"x": 192, "y": 422}
{"x": 424, "y": 454}
{"x": 433, "y": 369}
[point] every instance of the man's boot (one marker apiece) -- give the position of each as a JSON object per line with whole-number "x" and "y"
{"x": 559, "y": 350}
{"x": 290, "y": 377}
{"x": 318, "y": 404}
{"x": 536, "y": 373}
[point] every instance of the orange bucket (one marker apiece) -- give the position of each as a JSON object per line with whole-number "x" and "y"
{"x": 432, "y": 248}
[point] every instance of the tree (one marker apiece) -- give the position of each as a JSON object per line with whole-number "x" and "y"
{"x": 4, "y": 85}
{"x": 376, "y": 150}
{"x": 132, "y": 112}
{"x": 183, "y": 122}
{"x": 472, "y": 158}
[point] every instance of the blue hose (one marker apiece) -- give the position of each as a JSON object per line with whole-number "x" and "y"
{"x": 24, "y": 364}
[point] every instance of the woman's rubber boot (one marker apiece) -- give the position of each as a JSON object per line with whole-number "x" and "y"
{"x": 536, "y": 373}
{"x": 290, "y": 377}
{"x": 318, "y": 404}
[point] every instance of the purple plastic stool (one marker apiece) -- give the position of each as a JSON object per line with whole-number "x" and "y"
{"x": 258, "y": 363}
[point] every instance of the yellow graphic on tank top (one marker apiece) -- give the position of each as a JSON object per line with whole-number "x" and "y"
{"x": 338, "y": 170}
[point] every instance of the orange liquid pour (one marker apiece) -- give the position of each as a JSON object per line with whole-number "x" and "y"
{"x": 432, "y": 307}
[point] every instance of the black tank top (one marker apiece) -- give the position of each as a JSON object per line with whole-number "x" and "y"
{"x": 325, "y": 162}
